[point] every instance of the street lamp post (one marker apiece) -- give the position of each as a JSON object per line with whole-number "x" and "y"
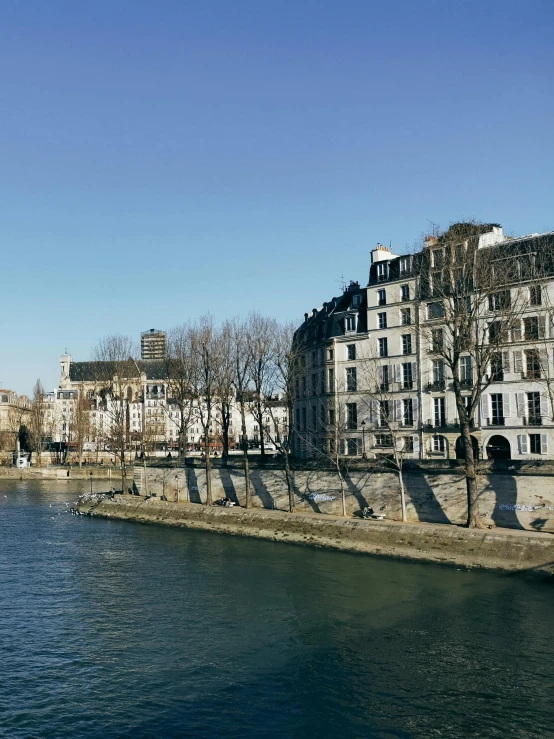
{"x": 91, "y": 481}
{"x": 363, "y": 440}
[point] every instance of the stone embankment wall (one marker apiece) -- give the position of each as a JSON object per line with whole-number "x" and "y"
{"x": 505, "y": 550}
{"x": 63, "y": 473}
{"x": 522, "y": 499}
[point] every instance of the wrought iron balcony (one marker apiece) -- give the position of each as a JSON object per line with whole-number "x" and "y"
{"x": 436, "y": 386}
{"x": 532, "y": 421}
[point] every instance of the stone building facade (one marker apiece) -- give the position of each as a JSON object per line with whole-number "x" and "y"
{"x": 372, "y": 349}
{"x": 152, "y": 415}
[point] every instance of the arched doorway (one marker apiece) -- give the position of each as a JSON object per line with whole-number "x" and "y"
{"x": 498, "y": 447}
{"x": 460, "y": 447}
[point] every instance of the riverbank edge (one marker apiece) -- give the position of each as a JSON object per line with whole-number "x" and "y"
{"x": 506, "y": 550}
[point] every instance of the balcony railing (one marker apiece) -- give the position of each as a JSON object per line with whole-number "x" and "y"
{"x": 532, "y": 421}
{"x": 466, "y": 383}
{"x": 436, "y": 386}
{"x": 532, "y": 375}
{"x": 495, "y": 421}
{"x": 408, "y": 385}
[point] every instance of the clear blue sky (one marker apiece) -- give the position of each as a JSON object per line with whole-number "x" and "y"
{"x": 164, "y": 159}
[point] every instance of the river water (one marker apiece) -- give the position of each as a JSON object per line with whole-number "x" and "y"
{"x": 113, "y": 629}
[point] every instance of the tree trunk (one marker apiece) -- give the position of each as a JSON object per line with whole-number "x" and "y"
{"x": 290, "y": 490}
{"x": 261, "y": 426}
{"x": 244, "y": 444}
{"x": 398, "y": 463}
{"x": 342, "y": 492}
{"x": 402, "y": 495}
{"x": 225, "y": 450}
{"x": 208, "y": 475}
{"x": 473, "y": 520}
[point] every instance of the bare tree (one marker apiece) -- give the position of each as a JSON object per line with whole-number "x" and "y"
{"x": 115, "y": 374}
{"x": 181, "y": 373}
{"x": 80, "y": 428}
{"x": 390, "y": 417}
{"x": 37, "y": 420}
{"x": 279, "y": 389}
{"x": 240, "y": 348}
{"x": 260, "y": 334}
{"x": 206, "y": 350}
{"x": 471, "y": 303}
{"x": 224, "y": 378}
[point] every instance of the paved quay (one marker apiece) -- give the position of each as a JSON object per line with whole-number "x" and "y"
{"x": 498, "y": 549}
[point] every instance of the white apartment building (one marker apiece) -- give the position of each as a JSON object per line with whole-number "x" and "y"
{"x": 152, "y": 415}
{"x": 369, "y": 354}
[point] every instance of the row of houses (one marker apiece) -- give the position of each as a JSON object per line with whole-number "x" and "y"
{"x": 372, "y": 357}
{"x": 152, "y": 416}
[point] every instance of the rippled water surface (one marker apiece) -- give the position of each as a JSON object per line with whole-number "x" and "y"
{"x": 112, "y": 629}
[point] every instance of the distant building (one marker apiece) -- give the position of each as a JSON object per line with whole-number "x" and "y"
{"x": 14, "y": 412}
{"x": 153, "y": 344}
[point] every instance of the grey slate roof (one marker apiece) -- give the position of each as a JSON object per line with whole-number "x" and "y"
{"x": 154, "y": 369}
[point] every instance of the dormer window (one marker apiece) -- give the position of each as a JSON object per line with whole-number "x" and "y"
{"x": 356, "y": 301}
{"x": 404, "y": 265}
{"x": 382, "y": 270}
{"x": 350, "y": 323}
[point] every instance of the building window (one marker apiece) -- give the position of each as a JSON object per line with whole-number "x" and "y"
{"x": 405, "y": 292}
{"x": 351, "y": 415}
{"x": 438, "y": 444}
{"x": 497, "y": 408}
{"x": 352, "y": 447}
{"x": 381, "y": 297}
{"x": 535, "y": 443}
{"x": 498, "y": 333}
{"x": 533, "y": 363}
{"x": 466, "y": 374}
{"x": 331, "y": 416}
{"x": 408, "y": 412}
{"x": 438, "y": 372}
{"x": 383, "y": 347}
{"x": 405, "y": 317}
{"x": 404, "y": 265}
{"x": 351, "y": 380}
{"x": 531, "y": 329}
{"x": 500, "y": 301}
{"x": 535, "y": 296}
{"x": 383, "y": 440}
{"x": 408, "y": 444}
{"x": 439, "y": 409}
{"x": 384, "y": 377}
{"x": 435, "y": 310}
{"x": 406, "y": 344}
{"x": 350, "y": 323}
{"x": 437, "y": 342}
{"x": 407, "y": 377}
{"x": 381, "y": 270}
{"x": 356, "y": 301}
{"x": 438, "y": 257}
{"x": 351, "y": 351}
{"x": 330, "y": 355}
{"x": 381, "y": 320}
{"x": 534, "y": 409}
{"x": 384, "y": 412}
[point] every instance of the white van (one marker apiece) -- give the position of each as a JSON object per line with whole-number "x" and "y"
{"x": 21, "y": 463}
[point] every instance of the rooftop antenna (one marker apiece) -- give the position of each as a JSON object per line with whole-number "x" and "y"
{"x": 342, "y": 283}
{"x": 434, "y": 227}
